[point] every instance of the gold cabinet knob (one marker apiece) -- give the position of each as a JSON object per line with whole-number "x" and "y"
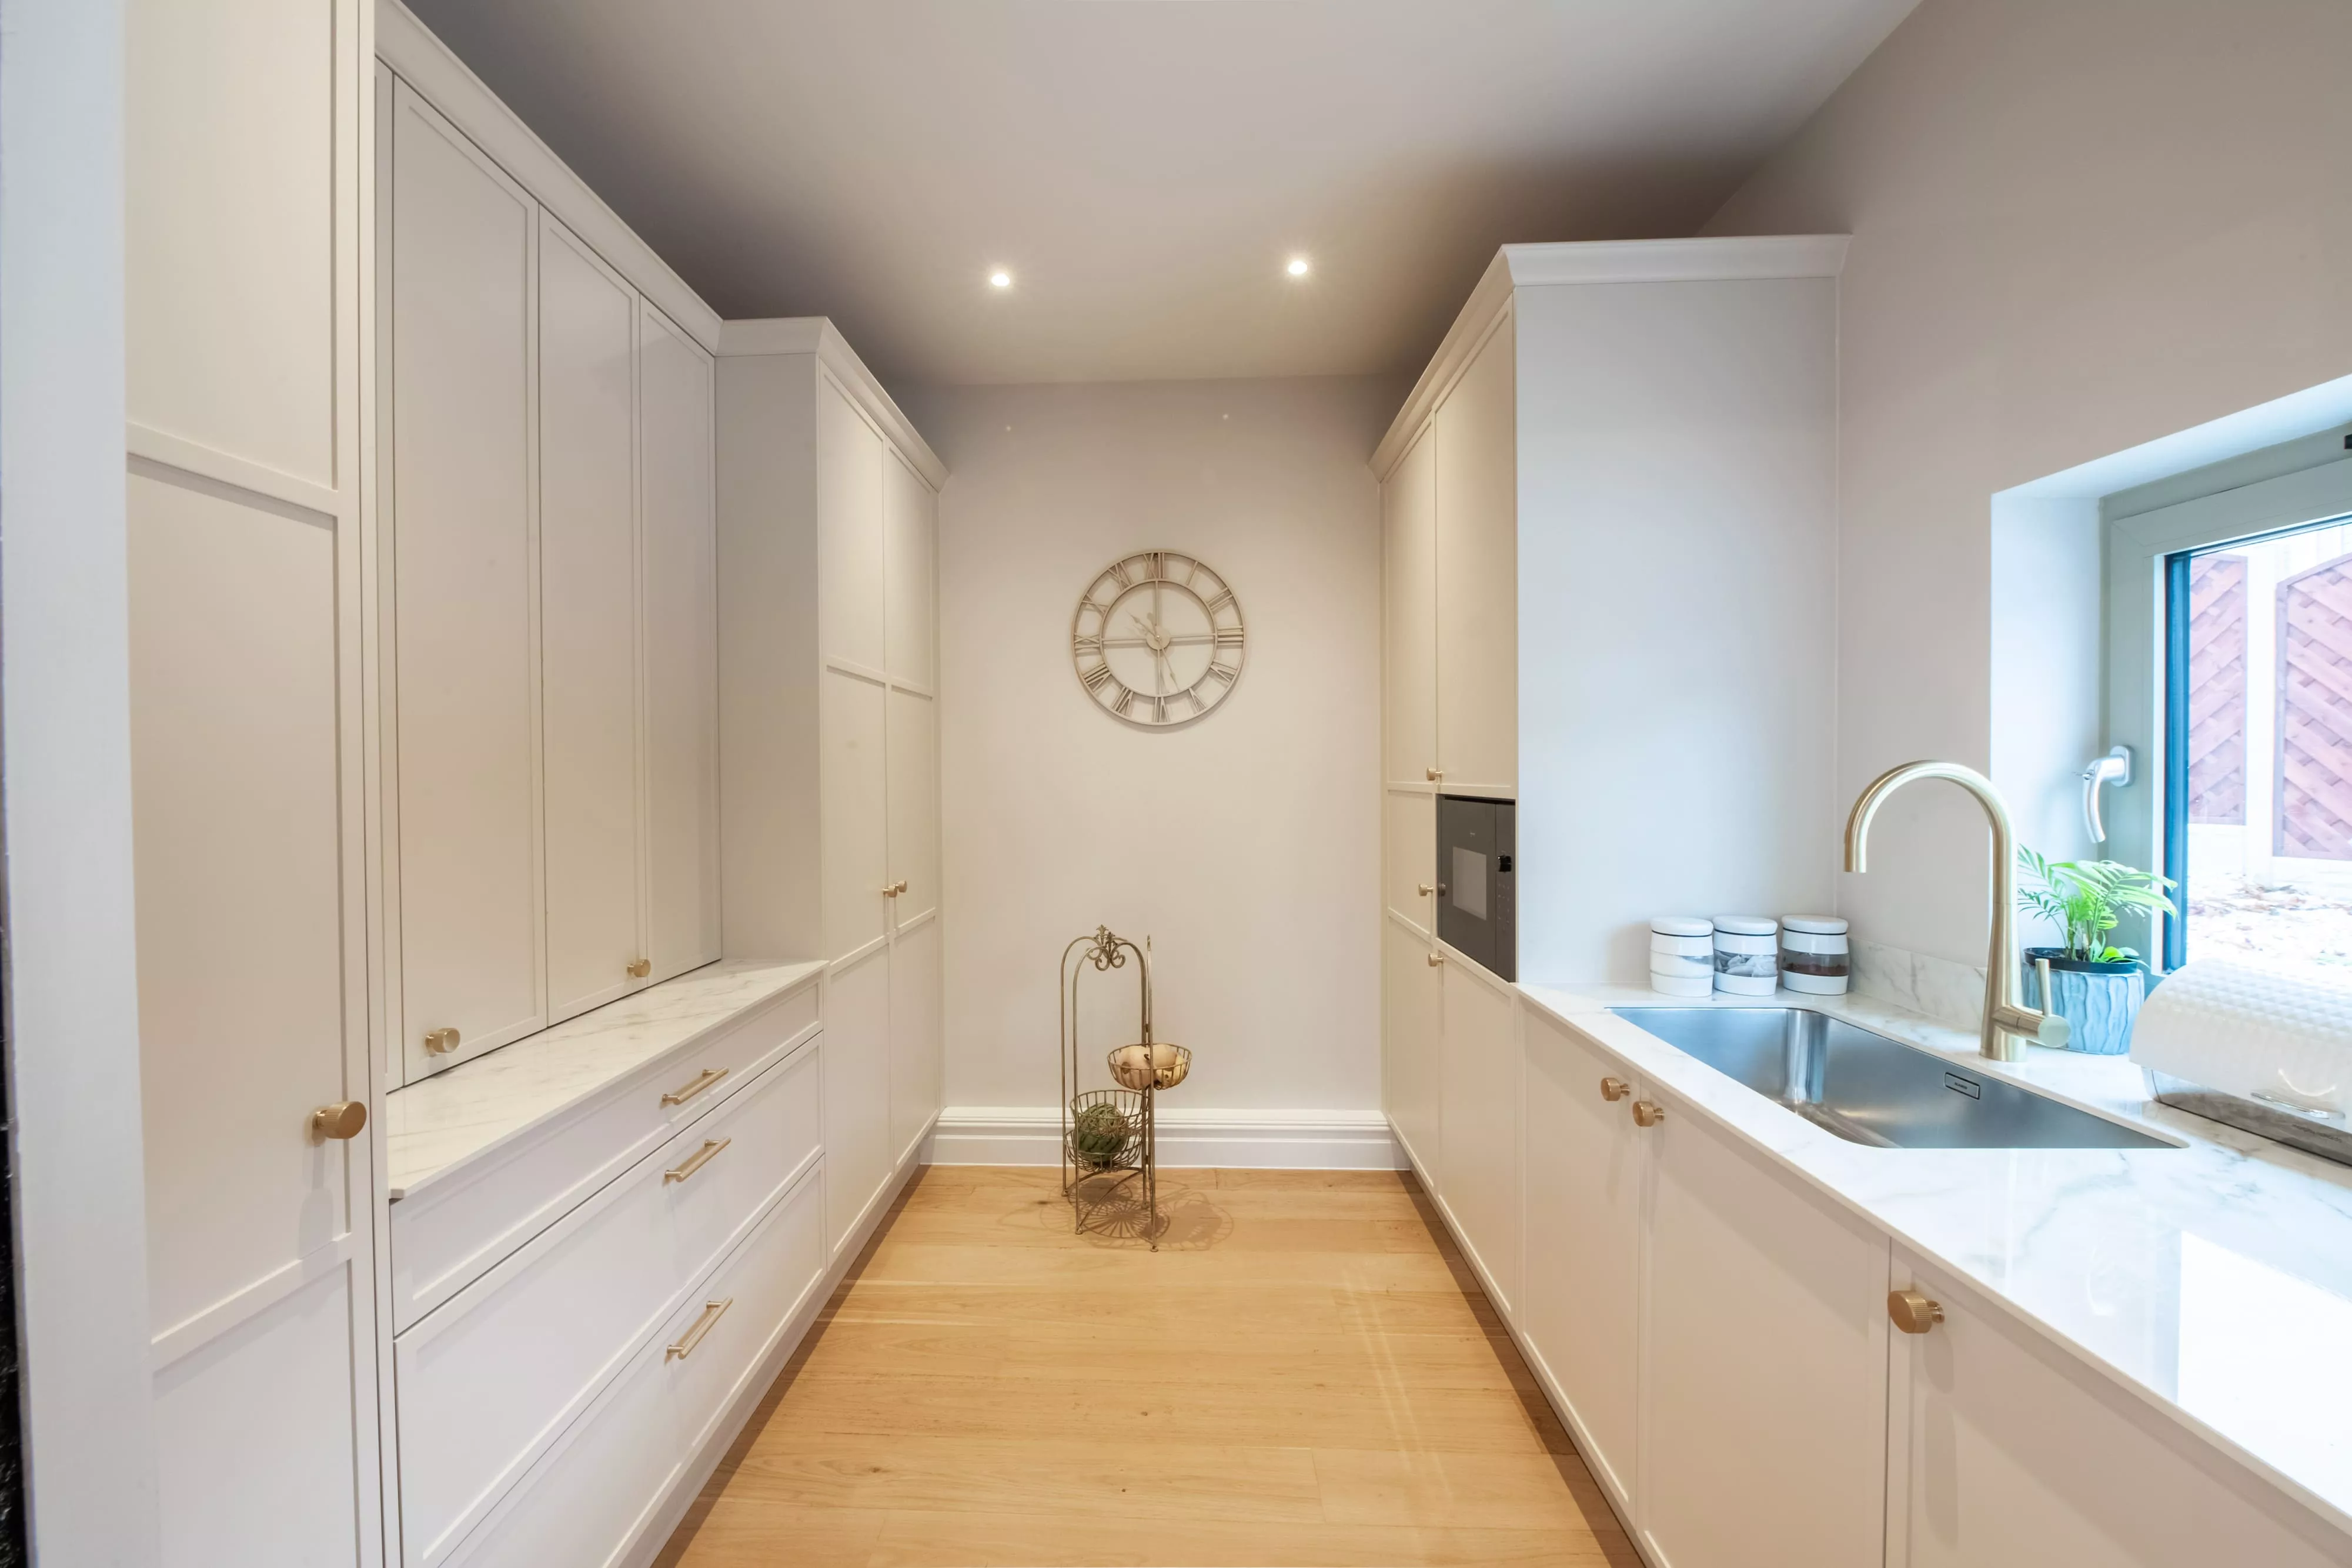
{"x": 1426, "y": 890}
{"x": 900, "y": 886}
{"x": 1436, "y": 959}
{"x": 440, "y": 1042}
{"x": 1615, "y": 1088}
{"x": 1435, "y": 774}
{"x": 1646, "y": 1114}
{"x": 343, "y": 1119}
{"x": 1913, "y": 1311}
{"x": 893, "y": 889}
{"x": 640, "y": 967}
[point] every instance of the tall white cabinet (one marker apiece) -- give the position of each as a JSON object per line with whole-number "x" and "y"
{"x": 828, "y": 615}
{"x": 247, "y": 540}
{"x": 547, "y": 609}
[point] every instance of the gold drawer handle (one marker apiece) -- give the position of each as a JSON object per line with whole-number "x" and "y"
{"x": 1913, "y": 1311}
{"x": 1645, "y": 1114}
{"x": 1434, "y": 774}
{"x": 695, "y": 1161}
{"x": 711, "y": 1313}
{"x": 341, "y": 1120}
{"x": 1615, "y": 1088}
{"x": 440, "y": 1042}
{"x": 1436, "y": 959}
{"x": 709, "y": 1076}
{"x": 640, "y": 967}
{"x": 893, "y": 889}
{"x": 1426, "y": 890}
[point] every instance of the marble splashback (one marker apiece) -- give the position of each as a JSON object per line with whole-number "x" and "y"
{"x": 1933, "y": 987}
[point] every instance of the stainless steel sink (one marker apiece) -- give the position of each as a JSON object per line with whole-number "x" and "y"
{"x": 1869, "y": 1089}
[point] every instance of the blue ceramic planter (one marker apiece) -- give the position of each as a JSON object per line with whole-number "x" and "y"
{"x": 2098, "y": 1001}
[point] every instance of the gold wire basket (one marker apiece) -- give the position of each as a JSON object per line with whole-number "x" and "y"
{"x": 1106, "y": 1130}
{"x": 1155, "y": 1066}
{"x": 1110, "y": 1163}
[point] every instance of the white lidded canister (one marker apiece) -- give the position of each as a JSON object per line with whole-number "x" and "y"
{"x": 1814, "y": 954}
{"x": 1681, "y": 955}
{"x": 1747, "y": 955}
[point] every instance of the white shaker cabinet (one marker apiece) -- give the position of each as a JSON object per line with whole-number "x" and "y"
{"x": 1409, "y": 614}
{"x": 463, "y": 616}
{"x": 588, "y": 608}
{"x": 1412, "y": 1000}
{"x": 1763, "y": 1364}
{"x": 681, "y": 649}
{"x": 1586, "y": 1185}
{"x": 2008, "y": 1450}
{"x": 1476, "y": 573}
{"x": 1478, "y": 1100}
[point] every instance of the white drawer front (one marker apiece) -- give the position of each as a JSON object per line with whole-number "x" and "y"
{"x": 490, "y": 1379}
{"x": 452, "y": 1232}
{"x": 584, "y": 1504}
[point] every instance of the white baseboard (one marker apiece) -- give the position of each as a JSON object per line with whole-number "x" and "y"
{"x": 1247, "y": 1140}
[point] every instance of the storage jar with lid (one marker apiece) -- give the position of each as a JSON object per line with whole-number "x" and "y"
{"x": 1814, "y": 955}
{"x": 1747, "y": 955}
{"x": 1681, "y": 955}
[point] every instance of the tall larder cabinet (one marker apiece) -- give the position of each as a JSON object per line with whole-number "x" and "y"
{"x": 828, "y": 693}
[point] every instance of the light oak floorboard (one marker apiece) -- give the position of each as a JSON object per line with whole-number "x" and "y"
{"x": 1305, "y": 1373}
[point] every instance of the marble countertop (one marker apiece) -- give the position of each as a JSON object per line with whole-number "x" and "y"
{"x": 437, "y": 1124}
{"x": 2213, "y": 1280}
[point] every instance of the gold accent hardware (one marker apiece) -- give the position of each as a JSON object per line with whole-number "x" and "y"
{"x": 1646, "y": 1114}
{"x": 1615, "y": 1088}
{"x": 683, "y": 1346}
{"x": 440, "y": 1042}
{"x": 901, "y": 887}
{"x": 1435, "y": 774}
{"x": 695, "y": 1161}
{"x": 893, "y": 889}
{"x": 640, "y": 967}
{"x": 704, "y": 1079}
{"x": 1426, "y": 890}
{"x": 343, "y": 1119}
{"x": 1436, "y": 959}
{"x": 1912, "y": 1311}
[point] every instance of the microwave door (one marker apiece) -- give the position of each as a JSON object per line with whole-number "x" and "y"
{"x": 1477, "y": 907}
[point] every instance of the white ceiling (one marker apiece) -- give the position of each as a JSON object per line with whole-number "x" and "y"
{"x": 1145, "y": 168}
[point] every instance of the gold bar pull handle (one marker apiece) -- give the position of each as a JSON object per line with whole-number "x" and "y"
{"x": 695, "y": 1161}
{"x": 440, "y": 1042}
{"x": 704, "y": 1079}
{"x": 683, "y": 1346}
{"x": 640, "y": 967}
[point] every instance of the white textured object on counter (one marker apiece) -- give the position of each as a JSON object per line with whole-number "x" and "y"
{"x": 433, "y": 1124}
{"x": 2251, "y": 1031}
{"x": 2212, "y": 1279}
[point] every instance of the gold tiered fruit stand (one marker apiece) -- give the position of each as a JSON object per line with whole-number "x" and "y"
{"x": 1110, "y": 1165}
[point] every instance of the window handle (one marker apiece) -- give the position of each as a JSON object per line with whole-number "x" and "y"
{"x": 2115, "y": 768}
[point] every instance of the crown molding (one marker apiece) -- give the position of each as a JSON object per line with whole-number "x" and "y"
{"x": 417, "y": 56}
{"x": 817, "y": 335}
{"x": 1517, "y": 267}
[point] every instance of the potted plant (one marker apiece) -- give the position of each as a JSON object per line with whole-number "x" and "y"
{"x": 2098, "y": 987}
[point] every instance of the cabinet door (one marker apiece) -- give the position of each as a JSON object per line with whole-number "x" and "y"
{"x": 914, "y": 1034}
{"x": 857, "y": 1091}
{"x": 588, "y": 622}
{"x": 914, "y": 805}
{"x": 1477, "y": 574}
{"x": 464, "y": 616}
{"x": 910, "y": 546}
{"x": 1409, "y": 592}
{"x": 2008, "y": 1450}
{"x": 1763, "y": 1418}
{"x": 681, "y": 597}
{"x": 1480, "y": 1122}
{"x": 850, "y": 530}
{"x": 1410, "y": 864}
{"x": 853, "y": 782}
{"x": 1411, "y": 999}
{"x": 1581, "y": 1307}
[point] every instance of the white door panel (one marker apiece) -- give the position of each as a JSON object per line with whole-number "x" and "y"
{"x": 914, "y": 805}
{"x": 914, "y": 1034}
{"x": 1479, "y": 1122}
{"x": 1411, "y": 821}
{"x": 1477, "y": 573}
{"x": 588, "y": 571}
{"x": 1409, "y": 590}
{"x": 857, "y": 1090}
{"x": 850, "y": 509}
{"x": 1412, "y": 1000}
{"x": 853, "y": 782}
{"x": 910, "y": 555}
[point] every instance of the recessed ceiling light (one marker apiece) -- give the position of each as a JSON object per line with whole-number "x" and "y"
{"x": 1001, "y": 278}
{"x": 1297, "y": 267}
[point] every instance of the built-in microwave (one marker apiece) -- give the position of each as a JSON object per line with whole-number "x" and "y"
{"x": 1478, "y": 901}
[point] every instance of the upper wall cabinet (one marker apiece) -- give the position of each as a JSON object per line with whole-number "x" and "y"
{"x": 1610, "y": 541}
{"x": 548, "y": 608}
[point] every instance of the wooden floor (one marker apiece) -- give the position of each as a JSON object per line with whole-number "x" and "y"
{"x": 1304, "y": 1373}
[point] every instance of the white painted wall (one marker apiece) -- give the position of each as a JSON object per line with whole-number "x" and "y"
{"x": 1247, "y": 843}
{"x": 2079, "y": 225}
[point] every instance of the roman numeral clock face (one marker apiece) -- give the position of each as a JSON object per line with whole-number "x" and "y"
{"x": 1157, "y": 639}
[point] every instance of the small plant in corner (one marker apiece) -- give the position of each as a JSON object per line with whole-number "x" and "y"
{"x": 2095, "y": 986}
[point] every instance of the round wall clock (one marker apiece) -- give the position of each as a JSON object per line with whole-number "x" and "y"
{"x": 1157, "y": 639}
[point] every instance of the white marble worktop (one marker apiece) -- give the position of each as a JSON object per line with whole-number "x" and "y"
{"x": 2213, "y": 1280}
{"x": 441, "y": 1122}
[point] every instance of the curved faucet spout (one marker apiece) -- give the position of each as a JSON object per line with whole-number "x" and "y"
{"x": 2008, "y": 1022}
